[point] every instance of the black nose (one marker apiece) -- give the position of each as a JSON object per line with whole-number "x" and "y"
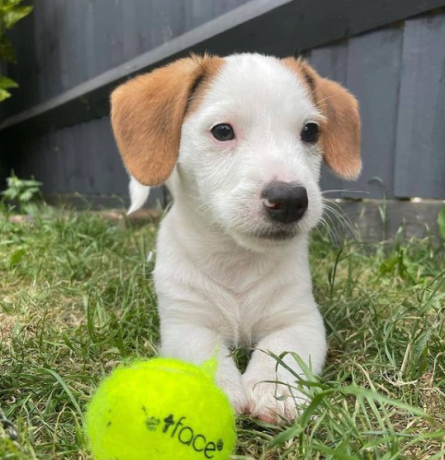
{"x": 285, "y": 202}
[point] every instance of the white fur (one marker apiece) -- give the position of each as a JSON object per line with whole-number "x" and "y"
{"x": 138, "y": 195}
{"x": 217, "y": 283}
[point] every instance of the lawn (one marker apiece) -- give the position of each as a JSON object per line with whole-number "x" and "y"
{"x": 76, "y": 299}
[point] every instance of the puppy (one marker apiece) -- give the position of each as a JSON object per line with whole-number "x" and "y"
{"x": 239, "y": 141}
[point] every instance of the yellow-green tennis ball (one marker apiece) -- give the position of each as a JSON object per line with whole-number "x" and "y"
{"x": 160, "y": 409}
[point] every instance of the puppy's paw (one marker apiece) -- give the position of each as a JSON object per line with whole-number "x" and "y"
{"x": 236, "y": 393}
{"x": 272, "y": 402}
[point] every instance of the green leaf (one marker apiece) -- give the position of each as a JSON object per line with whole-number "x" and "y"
{"x": 7, "y": 4}
{"x": 15, "y": 15}
{"x": 388, "y": 265}
{"x": 16, "y": 257}
{"x": 6, "y": 83}
{"x": 67, "y": 390}
{"x": 31, "y": 209}
{"x": 7, "y": 307}
{"x": 335, "y": 453}
{"x": 378, "y": 397}
{"x": 285, "y": 436}
{"x": 7, "y": 52}
{"x": 441, "y": 223}
{"x": 26, "y": 195}
{"x": 4, "y": 94}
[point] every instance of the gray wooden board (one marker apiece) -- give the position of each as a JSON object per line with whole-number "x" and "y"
{"x": 51, "y": 51}
{"x": 106, "y": 165}
{"x": 107, "y": 38}
{"x": 87, "y": 57}
{"x": 402, "y": 219}
{"x": 56, "y": 160}
{"x": 64, "y": 36}
{"x": 82, "y": 159}
{"x": 420, "y": 149}
{"x": 74, "y": 178}
{"x": 72, "y": 41}
{"x": 374, "y": 68}
{"x": 331, "y": 62}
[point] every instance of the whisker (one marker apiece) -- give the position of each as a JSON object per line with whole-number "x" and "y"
{"x": 334, "y": 210}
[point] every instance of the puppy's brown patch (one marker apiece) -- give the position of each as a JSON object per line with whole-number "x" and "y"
{"x": 300, "y": 68}
{"x": 147, "y": 115}
{"x": 341, "y": 130}
{"x": 211, "y": 67}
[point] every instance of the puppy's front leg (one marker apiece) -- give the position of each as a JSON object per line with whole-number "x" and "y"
{"x": 270, "y": 401}
{"x": 197, "y": 344}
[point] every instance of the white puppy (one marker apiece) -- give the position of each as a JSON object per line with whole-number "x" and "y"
{"x": 239, "y": 142}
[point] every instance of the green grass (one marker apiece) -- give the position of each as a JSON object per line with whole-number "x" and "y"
{"x": 76, "y": 299}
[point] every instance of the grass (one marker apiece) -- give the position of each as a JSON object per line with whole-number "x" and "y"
{"x": 76, "y": 299}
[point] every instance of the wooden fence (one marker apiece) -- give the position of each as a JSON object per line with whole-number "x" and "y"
{"x": 71, "y": 54}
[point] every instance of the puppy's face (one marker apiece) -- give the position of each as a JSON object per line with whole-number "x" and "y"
{"x": 251, "y": 150}
{"x": 247, "y": 134}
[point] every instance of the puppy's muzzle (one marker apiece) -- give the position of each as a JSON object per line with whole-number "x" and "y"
{"x": 285, "y": 202}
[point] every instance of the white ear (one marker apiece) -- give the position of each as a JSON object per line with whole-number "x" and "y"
{"x": 138, "y": 195}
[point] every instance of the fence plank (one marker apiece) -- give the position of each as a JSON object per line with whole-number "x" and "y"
{"x": 74, "y": 178}
{"x": 106, "y": 171}
{"x": 78, "y": 10}
{"x": 130, "y": 27}
{"x": 374, "y": 68}
{"x": 56, "y": 156}
{"x": 420, "y": 148}
{"x": 201, "y": 11}
{"x": 50, "y": 57}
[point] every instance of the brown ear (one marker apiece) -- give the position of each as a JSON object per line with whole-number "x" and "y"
{"x": 341, "y": 130}
{"x": 147, "y": 114}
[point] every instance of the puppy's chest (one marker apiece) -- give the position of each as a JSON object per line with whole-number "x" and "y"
{"x": 254, "y": 303}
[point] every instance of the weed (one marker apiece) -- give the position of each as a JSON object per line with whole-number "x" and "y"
{"x": 22, "y": 192}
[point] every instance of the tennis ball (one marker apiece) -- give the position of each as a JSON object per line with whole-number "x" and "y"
{"x": 160, "y": 409}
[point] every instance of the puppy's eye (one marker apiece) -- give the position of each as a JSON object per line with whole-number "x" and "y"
{"x": 309, "y": 133}
{"x": 223, "y": 132}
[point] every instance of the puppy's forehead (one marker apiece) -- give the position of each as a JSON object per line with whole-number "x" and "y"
{"x": 257, "y": 82}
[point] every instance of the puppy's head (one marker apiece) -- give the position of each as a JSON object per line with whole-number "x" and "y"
{"x": 244, "y": 136}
